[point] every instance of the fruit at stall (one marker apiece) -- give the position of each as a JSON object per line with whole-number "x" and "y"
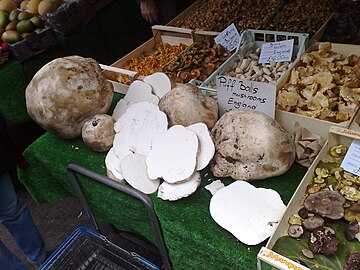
{"x": 11, "y": 36}
{"x": 33, "y": 6}
{"x": 14, "y": 15}
{"x": 46, "y": 6}
{"x": 24, "y": 16}
{"x": 4, "y": 19}
{"x": 25, "y": 26}
{"x": 24, "y": 4}
{"x": 11, "y": 25}
{"x": 36, "y": 21}
{"x": 8, "y": 5}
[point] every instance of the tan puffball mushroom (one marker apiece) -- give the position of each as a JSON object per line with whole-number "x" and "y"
{"x": 98, "y": 132}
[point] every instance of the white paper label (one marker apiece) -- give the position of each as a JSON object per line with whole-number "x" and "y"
{"x": 229, "y": 38}
{"x": 234, "y": 93}
{"x": 280, "y": 51}
{"x": 351, "y": 162}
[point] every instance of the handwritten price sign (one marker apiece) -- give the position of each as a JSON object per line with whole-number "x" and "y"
{"x": 229, "y": 38}
{"x": 280, "y": 51}
{"x": 351, "y": 162}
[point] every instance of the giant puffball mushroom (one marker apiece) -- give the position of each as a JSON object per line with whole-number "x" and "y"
{"x": 173, "y": 192}
{"x": 98, "y": 132}
{"x": 65, "y": 93}
{"x": 326, "y": 203}
{"x": 323, "y": 241}
{"x": 173, "y": 155}
{"x": 138, "y": 91}
{"x": 112, "y": 162}
{"x": 134, "y": 169}
{"x": 250, "y": 145}
{"x": 186, "y": 105}
{"x": 160, "y": 83}
{"x": 249, "y": 213}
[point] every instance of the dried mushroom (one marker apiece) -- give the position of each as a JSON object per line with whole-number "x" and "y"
{"x": 353, "y": 262}
{"x": 323, "y": 241}
{"x": 196, "y": 63}
{"x": 325, "y": 85}
{"x": 326, "y": 203}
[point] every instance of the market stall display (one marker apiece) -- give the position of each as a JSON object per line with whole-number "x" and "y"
{"x": 321, "y": 221}
{"x": 217, "y": 15}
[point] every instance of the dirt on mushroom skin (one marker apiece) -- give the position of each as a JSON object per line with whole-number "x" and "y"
{"x": 250, "y": 145}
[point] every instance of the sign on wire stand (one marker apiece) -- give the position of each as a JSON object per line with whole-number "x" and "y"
{"x": 229, "y": 38}
{"x": 234, "y": 93}
{"x": 351, "y": 161}
{"x": 280, "y": 51}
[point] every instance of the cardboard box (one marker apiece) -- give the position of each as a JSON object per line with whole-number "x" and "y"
{"x": 320, "y": 127}
{"x": 268, "y": 259}
{"x": 33, "y": 44}
{"x": 165, "y": 34}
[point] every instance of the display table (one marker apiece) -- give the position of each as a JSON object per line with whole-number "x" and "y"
{"x": 117, "y": 29}
{"x": 193, "y": 239}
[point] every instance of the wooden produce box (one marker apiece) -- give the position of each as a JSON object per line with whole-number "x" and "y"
{"x": 253, "y": 39}
{"x": 317, "y": 126}
{"x": 267, "y": 257}
{"x": 161, "y": 34}
{"x": 33, "y": 44}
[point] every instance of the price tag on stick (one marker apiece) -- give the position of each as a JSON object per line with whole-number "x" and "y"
{"x": 234, "y": 93}
{"x": 351, "y": 161}
{"x": 229, "y": 38}
{"x": 280, "y": 51}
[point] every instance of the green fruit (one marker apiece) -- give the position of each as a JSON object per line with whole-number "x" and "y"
{"x": 14, "y": 15}
{"x": 4, "y": 19}
{"x": 36, "y": 21}
{"x": 11, "y": 36}
{"x": 24, "y": 16}
{"x": 25, "y": 26}
{"x": 11, "y": 25}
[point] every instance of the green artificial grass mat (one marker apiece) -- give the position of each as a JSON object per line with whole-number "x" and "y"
{"x": 193, "y": 239}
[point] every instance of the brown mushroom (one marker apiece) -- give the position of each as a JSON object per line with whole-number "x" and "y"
{"x": 353, "y": 261}
{"x": 326, "y": 203}
{"x": 311, "y": 223}
{"x": 351, "y": 230}
{"x": 295, "y": 231}
{"x": 323, "y": 241}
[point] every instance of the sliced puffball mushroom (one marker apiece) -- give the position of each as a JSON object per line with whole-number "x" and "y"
{"x": 246, "y": 211}
{"x": 134, "y": 170}
{"x": 138, "y": 91}
{"x": 137, "y": 127}
{"x": 111, "y": 162}
{"x": 160, "y": 83}
{"x": 173, "y": 155}
{"x": 206, "y": 148}
{"x": 215, "y": 186}
{"x": 173, "y": 192}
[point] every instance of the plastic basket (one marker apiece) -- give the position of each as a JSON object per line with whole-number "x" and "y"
{"x": 253, "y": 39}
{"x": 87, "y": 249}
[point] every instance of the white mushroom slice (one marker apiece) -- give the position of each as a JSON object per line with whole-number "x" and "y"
{"x": 249, "y": 213}
{"x": 206, "y": 147}
{"x": 138, "y": 91}
{"x": 137, "y": 127}
{"x": 173, "y": 192}
{"x": 160, "y": 83}
{"x": 173, "y": 155}
{"x": 215, "y": 186}
{"x": 134, "y": 170}
{"x": 111, "y": 162}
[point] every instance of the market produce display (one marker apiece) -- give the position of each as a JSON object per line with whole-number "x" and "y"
{"x": 251, "y": 145}
{"x": 301, "y": 16}
{"x": 198, "y": 62}
{"x": 324, "y": 85}
{"x": 327, "y": 223}
{"x": 67, "y": 92}
{"x": 217, "y": 15}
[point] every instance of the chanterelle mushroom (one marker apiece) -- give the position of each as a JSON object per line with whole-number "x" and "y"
{"x": 250, "y": 145}
{"x": 326, "y": 203}
{"x": 323, "y": 241}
